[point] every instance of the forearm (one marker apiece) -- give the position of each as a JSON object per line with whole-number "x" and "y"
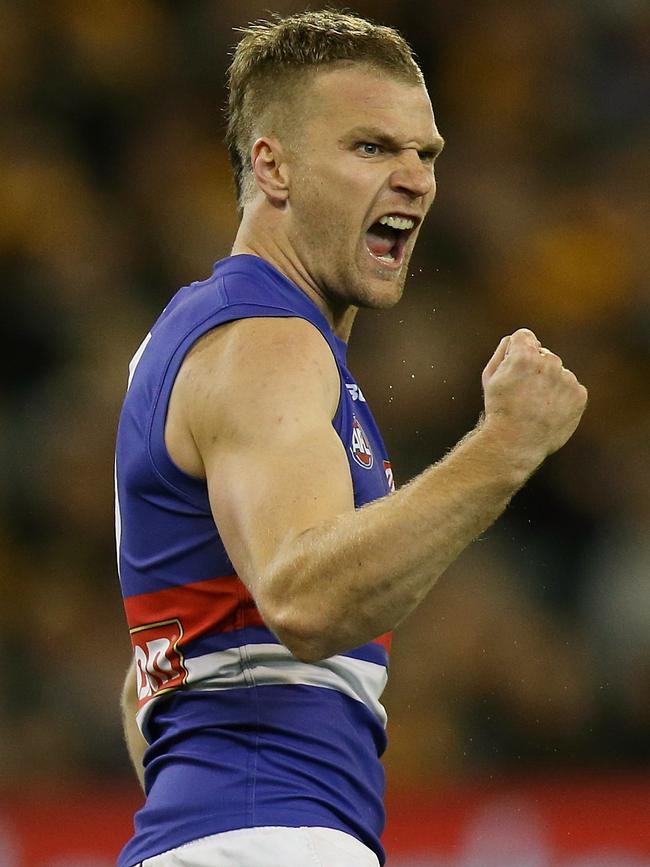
{"x": 345, "y": 583}
{"x": 135, "y": 743}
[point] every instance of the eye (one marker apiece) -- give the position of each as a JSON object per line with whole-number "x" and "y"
{"x": 369, "y": 149}
{"x": 427, "y": 157}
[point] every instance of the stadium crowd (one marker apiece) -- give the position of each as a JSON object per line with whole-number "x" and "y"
{"x": 533, "y": 652}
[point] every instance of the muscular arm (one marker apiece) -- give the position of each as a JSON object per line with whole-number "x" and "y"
{"x": 327, "y": 577}
{"x": 135, "y": 743}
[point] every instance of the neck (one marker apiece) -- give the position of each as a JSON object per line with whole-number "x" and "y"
{"x": 261, "y": 233}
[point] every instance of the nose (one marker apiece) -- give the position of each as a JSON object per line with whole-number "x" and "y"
{"x": 412, "y": 176}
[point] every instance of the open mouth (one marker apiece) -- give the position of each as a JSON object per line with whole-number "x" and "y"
{"x": 386, "y": 239}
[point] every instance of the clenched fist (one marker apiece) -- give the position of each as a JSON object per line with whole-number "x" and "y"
{"x": 532, "y": 402}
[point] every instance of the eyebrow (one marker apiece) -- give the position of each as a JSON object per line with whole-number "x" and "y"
{"x": 383, "y": 138}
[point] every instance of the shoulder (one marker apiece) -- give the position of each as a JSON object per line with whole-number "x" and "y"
{"x": 247, "y": 368}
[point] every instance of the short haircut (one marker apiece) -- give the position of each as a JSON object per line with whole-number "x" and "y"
{"x": 276, "y": 58}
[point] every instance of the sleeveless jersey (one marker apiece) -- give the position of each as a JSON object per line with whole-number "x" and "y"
{"x": 241, "y": 733}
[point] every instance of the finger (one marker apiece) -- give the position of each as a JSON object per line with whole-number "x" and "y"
{"x": 499, "y": 354}
{"x": 524, "y": 337}
{"x": 569, "y": 375}
{"x": 550, "y": 357}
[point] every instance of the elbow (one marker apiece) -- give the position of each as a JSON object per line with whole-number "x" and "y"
{"x": 305, "y": 638}
{"x": 307, "y": 624}
{"x": 302, "y": 642}
{"x": 308, "y": 649}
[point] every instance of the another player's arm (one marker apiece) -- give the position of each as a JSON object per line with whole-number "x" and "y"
{"x": 135, "y": 743}
{"x": 327, "y": 577}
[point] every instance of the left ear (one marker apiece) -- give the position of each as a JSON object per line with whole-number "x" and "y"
{"x": 270, "y": 169}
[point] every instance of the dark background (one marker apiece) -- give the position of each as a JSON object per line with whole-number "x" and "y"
{"x": 533, "y": 652}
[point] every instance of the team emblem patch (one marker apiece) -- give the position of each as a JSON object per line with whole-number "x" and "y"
{"x": 360, "y": 447}
{"x": 159, "y": 665}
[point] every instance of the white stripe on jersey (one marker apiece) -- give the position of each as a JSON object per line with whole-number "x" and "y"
{"x": 118, "y": 516}
{"x": 273, "y": 665}
{"x": 136, "y": 358}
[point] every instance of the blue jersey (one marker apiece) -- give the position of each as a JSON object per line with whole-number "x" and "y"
{"x": 241, "y": 734}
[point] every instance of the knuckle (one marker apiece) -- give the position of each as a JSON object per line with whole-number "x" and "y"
{"x": 525, "y": 335}
{"x": 550, "y": 356}
{"x": 521, "y": 357}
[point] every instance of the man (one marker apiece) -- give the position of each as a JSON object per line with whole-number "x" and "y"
{"x": 263, "y": 561}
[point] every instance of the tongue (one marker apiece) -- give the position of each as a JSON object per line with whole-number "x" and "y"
{"x": 380, "y": 240}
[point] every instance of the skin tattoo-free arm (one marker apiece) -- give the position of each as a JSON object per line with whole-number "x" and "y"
{"x": 326, "y": 577}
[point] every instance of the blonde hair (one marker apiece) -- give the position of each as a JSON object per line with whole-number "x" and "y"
{"x": 275, "y": 59}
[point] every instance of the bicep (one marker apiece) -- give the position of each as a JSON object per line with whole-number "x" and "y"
{"x": 274, "y": 464}
{"x": 265, "y": 494}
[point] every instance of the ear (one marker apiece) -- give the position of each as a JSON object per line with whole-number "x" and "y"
{"x": 270, "y": 169}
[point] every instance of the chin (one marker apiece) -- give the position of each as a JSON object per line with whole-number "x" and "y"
{"x": 385, "y": 288}
{"x": 367, "y": 284}
{"x": 381, "y": 293}
{"x": 384, "y": 284}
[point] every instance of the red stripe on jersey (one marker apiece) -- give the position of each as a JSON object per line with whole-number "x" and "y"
{"x": 220, "y": 604}
{"x": 384, "y": 640}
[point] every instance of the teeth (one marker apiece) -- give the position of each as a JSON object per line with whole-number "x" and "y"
{"x": 395, "y": 222}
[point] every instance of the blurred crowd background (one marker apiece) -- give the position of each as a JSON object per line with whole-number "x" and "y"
{"x": 533, "y": 652}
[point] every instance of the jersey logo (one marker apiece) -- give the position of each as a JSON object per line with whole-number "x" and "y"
{"x": 159, "y": 665}
{"x": 355, "y": 392}
{"x": 389, "y": 476}
{"x": 360, "y": 447}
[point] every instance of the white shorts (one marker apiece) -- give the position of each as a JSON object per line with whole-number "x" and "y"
{"x": 270, "y": 847}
